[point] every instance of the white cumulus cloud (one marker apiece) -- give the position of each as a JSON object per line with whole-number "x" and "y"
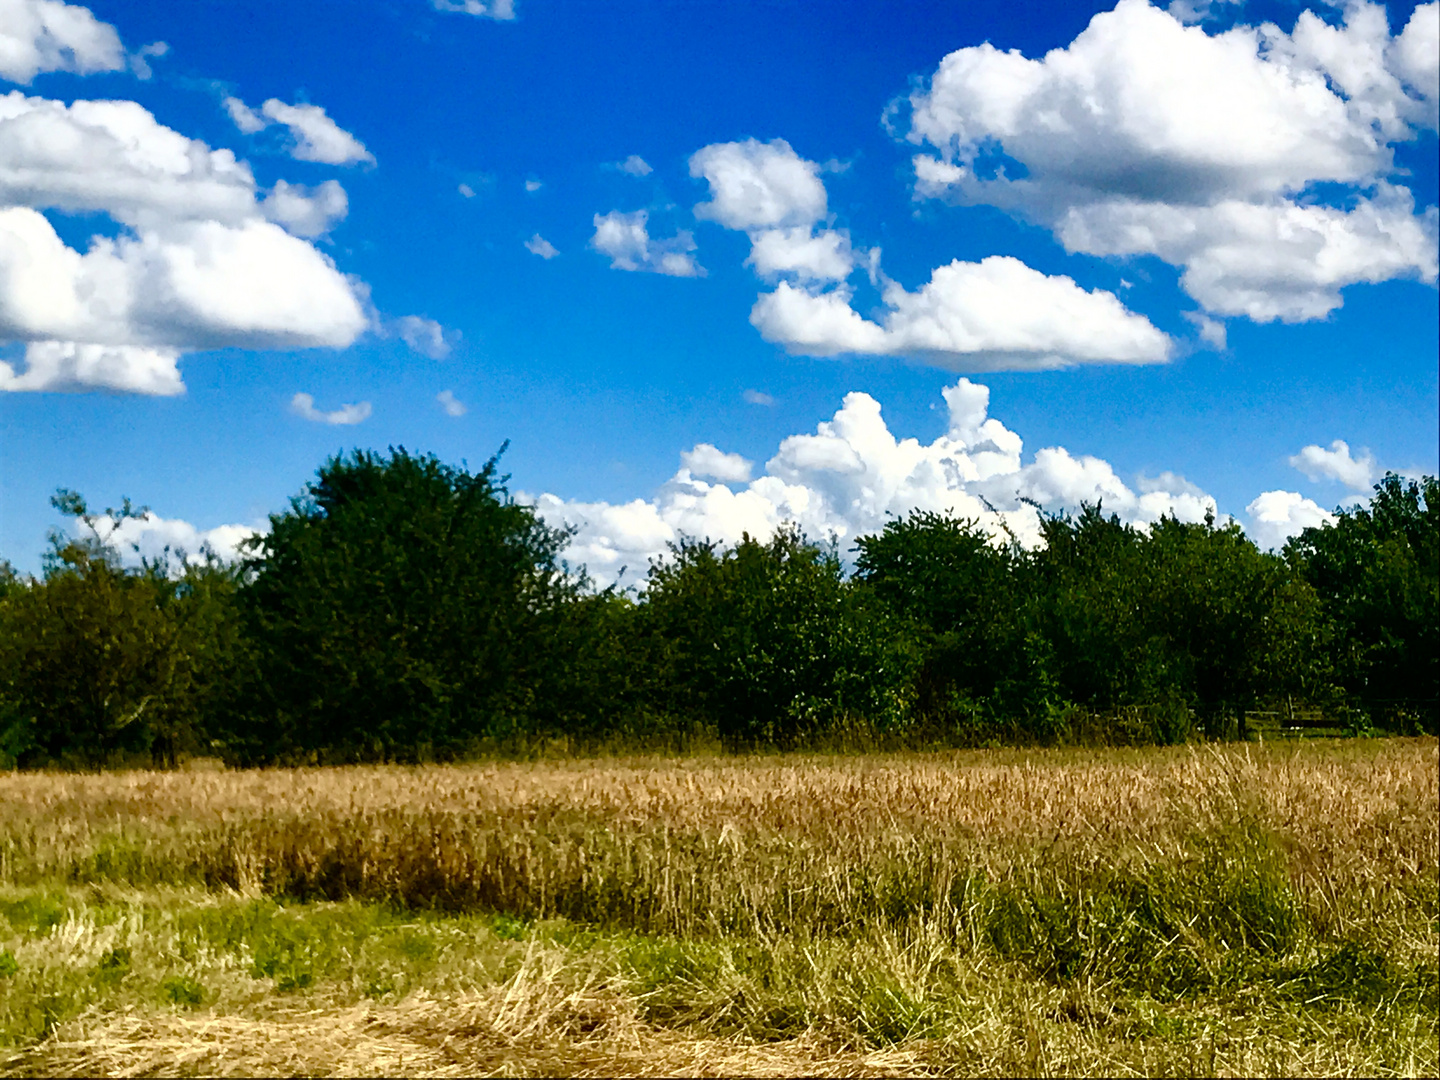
{"x": 306, "y": 211}
{"x": 244, "y": 117}
{"x": 1145, "y": 136}
{"x": 1337, "y": 463}
{"x": 755, "y": 185}
{"x": 708, "y": 460}
{"x": 997, "y": 314}
{"x": 776, "y": 196}
{"x": 153, "y": 536}
{"x": 851, "y": 476}
{"x": 194, "y": 284}
{"x": 1276, "y": 516}
{"x": 201, "y": 260}
{"x": 1210, "y": 331}
{"x": 626, "y": 240}
{"x": 69, "y": 365}
{"x": 800, "y": 251}
{"x": 1415, "y": 58}
{"x": 48, "y": 35}
{"x": 303, "y": 405}
{"x": 635, "y": 165}
{"x": 114, "y": 157}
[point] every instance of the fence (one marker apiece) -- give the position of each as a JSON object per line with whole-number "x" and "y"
{"x": 1390, "y": 715}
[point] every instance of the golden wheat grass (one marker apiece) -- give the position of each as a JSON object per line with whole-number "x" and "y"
{"x": 1199, "y": 910}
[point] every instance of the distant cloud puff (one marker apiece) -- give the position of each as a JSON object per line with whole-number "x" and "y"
{"x": 708, "y": 460}
{"x": 500, "y": 10}
{"x": 1210, "y": 331}
{"x": 244, "y": 117}
{"x": 306, "y": 211}
{"x": 538, "y": 245}
{"x": 1316, "y": 463}
{"x": 635, "y": 165}
{"x": 303, "y": 405}
{"x": 424, "y": 336}
{"x": 755, "y": 185}
{"x": 625, "y": 239}
{"x": 1276, "y": 516}
{"x": 317, "y": 137}
{"x": 450, "y": 403}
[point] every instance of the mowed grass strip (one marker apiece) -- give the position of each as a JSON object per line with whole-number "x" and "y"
{"x": 1194, "y": 910}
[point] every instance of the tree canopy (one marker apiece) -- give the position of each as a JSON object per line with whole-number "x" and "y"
{"x": 403, "y": 609}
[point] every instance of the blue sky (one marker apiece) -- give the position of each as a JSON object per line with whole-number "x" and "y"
{"x": 1185, "y": 252}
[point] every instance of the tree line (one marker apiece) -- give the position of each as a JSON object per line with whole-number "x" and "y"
{"x": 403, "y": 609}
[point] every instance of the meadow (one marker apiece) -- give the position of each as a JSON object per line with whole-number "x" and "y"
{"x": 1208, "y": 909}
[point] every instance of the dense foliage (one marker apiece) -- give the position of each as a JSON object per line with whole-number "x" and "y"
{"x": 768, "y": 643}
{"x": 400, "y": 607}
{"x": 98, "y": 660}
{"x": 1374, "y": 574}
{"x": 403, "y": 609}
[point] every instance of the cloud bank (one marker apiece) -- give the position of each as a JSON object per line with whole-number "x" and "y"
{"x": 851, "y": 476}
{"x": 150, "y": 537}
{"x": 1147, "y": 136}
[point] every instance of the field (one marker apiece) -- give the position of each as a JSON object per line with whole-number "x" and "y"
{"x": 1203, "y": 910}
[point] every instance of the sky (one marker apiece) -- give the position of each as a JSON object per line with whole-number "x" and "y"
{"x": 704, "y": 269}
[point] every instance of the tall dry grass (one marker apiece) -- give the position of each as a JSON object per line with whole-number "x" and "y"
{"x": 1361, "y": 815}
{"x": 873, "y": 909}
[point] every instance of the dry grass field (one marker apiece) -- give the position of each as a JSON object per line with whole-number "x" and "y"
{"x": 1252, "y": 909}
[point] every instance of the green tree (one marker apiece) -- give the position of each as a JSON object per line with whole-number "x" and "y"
{"x": 965, "y": 595}
{"x": 1231, "y": 626}
{"x": 402, "y": 608}
{"x": 1086, "y": 593}
{"x": 99, "y": 661}
{"x": 1377, "y": 573}
{"x": 770, "y": 645}
{"x": 10, "y": 581}
{"x": 1182, "y": 615}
